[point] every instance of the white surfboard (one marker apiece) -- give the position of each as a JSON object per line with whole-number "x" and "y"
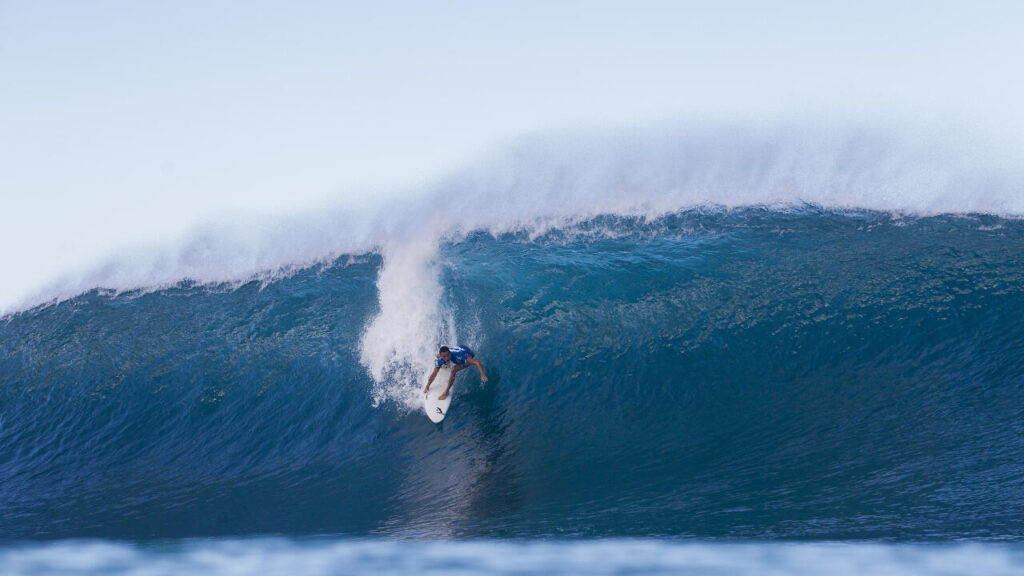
{"x": 436, "y": 409}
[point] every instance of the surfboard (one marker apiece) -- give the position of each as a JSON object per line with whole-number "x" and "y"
{"x": 436, "y": 409}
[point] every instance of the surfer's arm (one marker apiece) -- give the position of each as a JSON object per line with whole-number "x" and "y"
{"x": 480, "y": 367}
{"x": 431, "y": 379}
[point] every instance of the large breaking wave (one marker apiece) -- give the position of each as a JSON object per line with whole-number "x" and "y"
{"x": 717, "y": 331}
{"x": 754, "y": 373}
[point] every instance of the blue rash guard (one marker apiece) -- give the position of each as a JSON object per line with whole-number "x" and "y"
{"x": 459, "y": 356}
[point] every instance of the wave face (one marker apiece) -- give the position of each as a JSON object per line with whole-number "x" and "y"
{"x": 753, "y": 373}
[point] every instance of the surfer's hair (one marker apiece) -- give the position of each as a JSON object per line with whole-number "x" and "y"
{"x": 444, "y": 349}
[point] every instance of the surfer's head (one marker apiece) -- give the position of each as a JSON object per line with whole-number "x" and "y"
{"x": 445, "y": 353}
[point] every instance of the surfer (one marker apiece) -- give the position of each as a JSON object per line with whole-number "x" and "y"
{"x": 460, "y": 357}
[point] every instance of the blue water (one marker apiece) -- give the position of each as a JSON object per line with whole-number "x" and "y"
{"x": 697, "y": 385}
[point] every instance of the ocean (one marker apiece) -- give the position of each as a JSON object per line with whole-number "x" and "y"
{"x": 682, "y": 379}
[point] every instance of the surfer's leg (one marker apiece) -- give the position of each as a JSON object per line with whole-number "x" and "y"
{"x": 451, "y": 381}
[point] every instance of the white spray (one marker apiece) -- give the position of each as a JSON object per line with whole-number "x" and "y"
{"x": 399, "y": 344}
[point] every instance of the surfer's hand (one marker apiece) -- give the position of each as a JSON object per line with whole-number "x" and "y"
{"x": 427, "y": 389}
{"x": 483, "y": 378}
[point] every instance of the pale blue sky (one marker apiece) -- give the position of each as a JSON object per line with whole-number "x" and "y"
{"x": 125, "y": 122}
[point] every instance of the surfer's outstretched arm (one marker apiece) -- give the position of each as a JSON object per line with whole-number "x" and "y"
{"x": 431, "y": 379}
{"x": 480, "y": 367}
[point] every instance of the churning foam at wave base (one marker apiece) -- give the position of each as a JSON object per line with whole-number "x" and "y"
{"x": 552, "y": 181}
{"x": 597, "y": 557}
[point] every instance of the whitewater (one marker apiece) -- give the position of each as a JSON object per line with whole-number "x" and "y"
{"x": 701, "y": 340}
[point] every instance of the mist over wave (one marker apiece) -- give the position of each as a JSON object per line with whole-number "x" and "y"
{"x": 552, "y": 180}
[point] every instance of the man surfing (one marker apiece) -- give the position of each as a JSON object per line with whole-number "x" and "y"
{"x": 459, "y": 357}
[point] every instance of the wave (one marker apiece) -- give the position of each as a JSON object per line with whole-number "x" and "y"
{"x": 756, "y": 373}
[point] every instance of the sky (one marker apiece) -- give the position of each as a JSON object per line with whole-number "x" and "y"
{"x": 129, "y": 123}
